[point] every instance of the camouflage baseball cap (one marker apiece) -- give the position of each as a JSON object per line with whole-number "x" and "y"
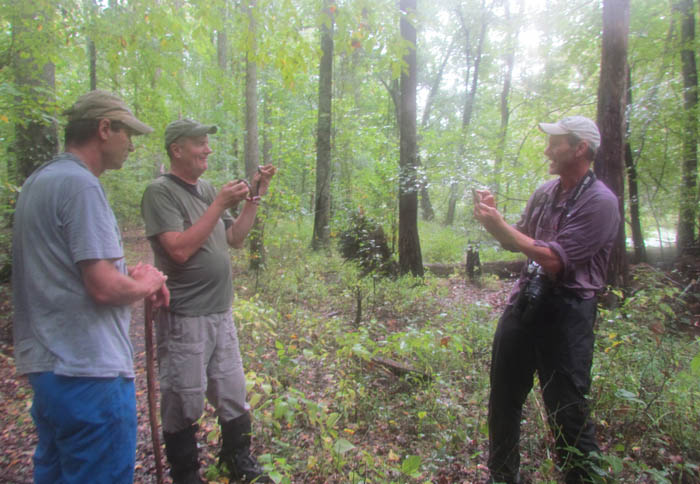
{"x": 100, "y": 104}
{"x": 186, "y": 127}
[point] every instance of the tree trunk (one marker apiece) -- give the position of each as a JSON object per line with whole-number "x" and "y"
{"x": 435, "y": 86}
{"x": 222, "y": 43}
{"x": 322, "y": 209}
{"x": 609, "y": 166}
{"x": 91, "y": 49}
{"x": 687, "y": 217}
{"x": 505, "y": 94}
{"x": 267, "y": 130}
{"x": 92, "y": 59}
{"x": 257, "y": 249}
{"x": 468, "y": 108}
{"x": 410, "y": 258}
{"x": 36, "y": 138}
{"x": 425, "y": 204}
{"x": 640, "y": 254}
{"x": 640, "y": 251}
{"x": 452, "y": 200}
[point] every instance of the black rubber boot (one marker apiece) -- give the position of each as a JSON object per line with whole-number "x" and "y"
{"x": 181, "y": 450}
{"x": 500, "y": 480}
{"x": 235, "y": 451}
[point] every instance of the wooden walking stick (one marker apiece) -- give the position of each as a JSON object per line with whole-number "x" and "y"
{"x": 150, "y": 381}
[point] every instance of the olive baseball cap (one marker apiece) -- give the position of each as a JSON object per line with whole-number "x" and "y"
{"x": 186, "y": 127}
{"x": 580, "y": 126}
{"x": 100, "y": 104}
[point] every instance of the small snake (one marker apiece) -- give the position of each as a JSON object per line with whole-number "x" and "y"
{"x": 253, "y": 194}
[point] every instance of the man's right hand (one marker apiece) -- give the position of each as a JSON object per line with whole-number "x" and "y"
{"x": 485, "y": 197}
{"x": 108, "y": 286}
{"x": 151, "y": 278}
{"x": 232, "y": 193}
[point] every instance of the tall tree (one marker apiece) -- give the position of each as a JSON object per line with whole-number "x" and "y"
{"x": 222, "y": 41}
{"x": 322, "y": 205}
{"x": 251, "y": 148}
{"x": 511, "y": 39}
{"x": 36, "y": 134}
{"x": 471, "y": 84}
{"x": 91, "y": 9}
{"x": 687, "y": 217}
{"x": 641, "y": 135}
{"x": 410, "y": 259}
{"x": 609, "y": 165}
{"x": 640, "y": 254}
{"x": 426, "y": 205}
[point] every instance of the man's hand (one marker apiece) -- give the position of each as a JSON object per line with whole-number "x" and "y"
{"x": 232, "y": 193}
{"x": 486, "y": 213}
{"x": 107, "y": 286}
{"x": 511, "y": 239}
{"x": 161, "y": 299}
{"x": 262, "y": 179}
{"x": 152, "y": 280}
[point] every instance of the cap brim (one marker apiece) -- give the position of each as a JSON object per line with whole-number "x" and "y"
{"x": 135, "y": 124}
{"x": 552, "y": 128}
{"x": 203, "y": 129}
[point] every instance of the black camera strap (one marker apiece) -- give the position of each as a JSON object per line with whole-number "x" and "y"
{"x": 588, "y": 180}
{"x": 188, "y": 187}
{"x": 582, "y": 186}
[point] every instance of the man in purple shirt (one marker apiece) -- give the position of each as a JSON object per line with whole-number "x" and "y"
{"x": 567, "y": 232}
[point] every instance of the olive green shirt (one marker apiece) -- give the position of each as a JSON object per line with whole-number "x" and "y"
{"x": 203, "y": 284}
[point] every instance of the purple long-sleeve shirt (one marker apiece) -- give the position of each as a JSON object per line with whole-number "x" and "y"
{"x": 583, "y": 238}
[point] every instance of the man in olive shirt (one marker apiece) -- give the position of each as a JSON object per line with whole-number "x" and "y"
{"x": 190, "y": 231}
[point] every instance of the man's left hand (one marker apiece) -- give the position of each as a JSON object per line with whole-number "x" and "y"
{"x": 262, "y": 178}
{"x": 161, "y": 299}
{"x": 485, "y": 211}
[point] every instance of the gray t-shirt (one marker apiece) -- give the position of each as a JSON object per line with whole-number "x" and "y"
{"x": 62, "y": 218}
{"x": 202, "y": 285}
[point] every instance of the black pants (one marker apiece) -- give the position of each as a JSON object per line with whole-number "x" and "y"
{"x": 558, "y": 344}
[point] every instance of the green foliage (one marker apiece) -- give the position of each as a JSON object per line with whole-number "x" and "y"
{"x": 326, "y": 410}
{"x": 318, "y": 398}
{"x": 363, "y": 241}
{"x": 165, "y": 62}
{"x": 646, "y": 374}
{"x": 442, "y": 244}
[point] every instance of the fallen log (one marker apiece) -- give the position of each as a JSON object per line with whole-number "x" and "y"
{"x": 502, "y": 269}
{"x": 399, "y": 369}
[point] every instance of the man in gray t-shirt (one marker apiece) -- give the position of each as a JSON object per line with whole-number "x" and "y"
{"x": 567, "y": 232}
{"x": 71, "y": 295}
{"x": 190, "y": 231}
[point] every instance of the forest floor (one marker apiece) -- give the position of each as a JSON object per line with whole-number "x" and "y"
{"x": 18, "y": 437}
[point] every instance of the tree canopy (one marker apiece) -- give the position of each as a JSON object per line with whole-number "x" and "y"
{"x": 487, "y": 71}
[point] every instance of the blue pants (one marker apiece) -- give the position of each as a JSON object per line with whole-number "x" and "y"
{"x": 86, "y": 427}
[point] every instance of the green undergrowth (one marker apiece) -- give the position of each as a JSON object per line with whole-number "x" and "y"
{"x": 316, "y": 338}
{"x": 449, "y": 245}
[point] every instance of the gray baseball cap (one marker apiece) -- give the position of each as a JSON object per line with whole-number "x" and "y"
{"x": 100, "y": 104}
{"x": 580, "y": 126}
{"x": 186, "y": 127}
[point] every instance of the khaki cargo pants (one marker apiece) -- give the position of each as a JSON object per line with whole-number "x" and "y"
{"x": 198, "y": 356}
